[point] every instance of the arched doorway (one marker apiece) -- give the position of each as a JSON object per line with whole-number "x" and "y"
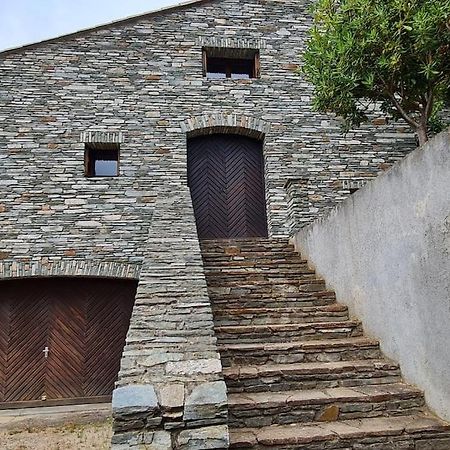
{"x": 226, "y": 179}
{"x": 61, "y": 339}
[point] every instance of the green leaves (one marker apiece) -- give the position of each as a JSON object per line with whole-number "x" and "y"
{"x": 393, "y": 51}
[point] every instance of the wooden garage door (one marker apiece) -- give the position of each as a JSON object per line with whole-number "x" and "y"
{"x": 226, "y": 178}
{"x": 61, "y": 340}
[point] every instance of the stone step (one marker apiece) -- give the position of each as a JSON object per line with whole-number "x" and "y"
{"x": 254, "y": 244}
{"x": 411, "y": 432}
{"x": 342, "y": 403}
{"x": 228, "y": 299}
{"x": 264, "y": 281}
{"x": 240, "y": 262}
{"x": 251, "y": 274}
{"x": 261, "y": 282}
{"x": 266, "y": 289}
{"x": 272, "y": 259}
{"x": 323, "y": 350}
{"x": 261, "y": 316}
{"x": 312, "y": 375}
{"x": 249, "y": 250}
{"x": 281, "y": 333}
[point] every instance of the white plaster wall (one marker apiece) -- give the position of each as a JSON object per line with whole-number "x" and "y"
{"x": 386, "y": 252}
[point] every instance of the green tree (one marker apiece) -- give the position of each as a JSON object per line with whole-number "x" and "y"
{"x": 395, "y": 53}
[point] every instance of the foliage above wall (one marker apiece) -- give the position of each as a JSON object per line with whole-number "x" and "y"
{"x": 395, "y": 52}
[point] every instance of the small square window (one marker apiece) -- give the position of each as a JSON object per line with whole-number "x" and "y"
{"x": 232, "y": 63}
{"x": 101, "y": 160}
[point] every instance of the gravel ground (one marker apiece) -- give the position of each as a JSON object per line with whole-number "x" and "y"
{"x": 73, "y": 437}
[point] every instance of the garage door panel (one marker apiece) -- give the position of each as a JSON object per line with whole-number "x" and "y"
{"x": 29, "y": 320}
{"x": 66, "y": 358}
{"x": 107, "y": 324}
{"x": 83, "y": 324}
{"x": 4, "y": 336}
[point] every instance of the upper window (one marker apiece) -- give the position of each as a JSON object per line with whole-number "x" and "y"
{"x": 101, "y": 160}
{"x": 235, "y": 63}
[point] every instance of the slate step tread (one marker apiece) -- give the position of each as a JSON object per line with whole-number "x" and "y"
{"x": 368, "y": 393}
{"x": 301, "y": 435}
{"x": 258, "y": 299}
{"x": 336, "y": 307}
{"x": 217, "y": 267}
{"x": 315, "y": 368}
{"x": 319, "y": 344}
{"x": 274, "y": 328}
{"x": 301, "y": 280}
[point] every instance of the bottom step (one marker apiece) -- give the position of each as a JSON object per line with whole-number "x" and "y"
{"x": 418, "y": 432}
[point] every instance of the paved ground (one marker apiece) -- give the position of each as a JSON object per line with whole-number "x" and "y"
{"x": 58, "y": 428}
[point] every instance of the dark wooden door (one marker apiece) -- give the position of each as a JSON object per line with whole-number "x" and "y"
{"x": 105, "y": 334}
{"x": 65, "y": 364}
{"x": 226, "y": 179}
{"x": 62, "y": 339}
{"x": 25, "y": 314}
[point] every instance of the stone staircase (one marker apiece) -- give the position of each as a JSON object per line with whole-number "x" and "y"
{"x": 300, "y": 373}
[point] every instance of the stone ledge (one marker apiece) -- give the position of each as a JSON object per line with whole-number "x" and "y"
{"x": 219, "y": 42}
{"x": 68, "y": 268}
{"x": 104, "y": 137}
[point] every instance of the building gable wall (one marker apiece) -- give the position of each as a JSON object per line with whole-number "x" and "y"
{"x": 141, "y": 84}
{"x": 145, "y": 80}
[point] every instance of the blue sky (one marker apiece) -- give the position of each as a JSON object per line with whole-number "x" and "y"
{"x": 26, "y": 21}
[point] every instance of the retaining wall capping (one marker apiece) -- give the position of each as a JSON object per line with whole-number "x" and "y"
{"x": 140, "y": 83}
{"x": 386, "y": 253}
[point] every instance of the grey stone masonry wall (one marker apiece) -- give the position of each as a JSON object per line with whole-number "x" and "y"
{"x": 140, "y": 83}
{"x": 144, "y": 79}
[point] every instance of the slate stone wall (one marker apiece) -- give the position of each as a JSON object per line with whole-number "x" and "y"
{"x": 140, "y": 83}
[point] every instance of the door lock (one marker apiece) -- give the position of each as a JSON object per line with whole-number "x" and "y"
{"x": 46, "y": 351}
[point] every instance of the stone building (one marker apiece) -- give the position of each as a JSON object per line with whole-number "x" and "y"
{"x": 104, "y": 136}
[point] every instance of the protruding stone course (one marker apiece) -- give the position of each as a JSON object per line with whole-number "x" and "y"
{"x": 103, "y": 137}
{"x": 68, "y": 267}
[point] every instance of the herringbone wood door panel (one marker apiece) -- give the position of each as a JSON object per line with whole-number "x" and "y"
{"x": 27, "y": 337}
{"x": 66, "y": 342}
{"x": 4, "y": 336}
{"x": 83, "y": 324}
{"x": 226, "y": 178}
{"x": 105, "y": 333}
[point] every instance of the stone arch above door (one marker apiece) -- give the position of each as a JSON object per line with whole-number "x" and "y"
{"x": 226, "y": 124}
{"x": 68, "y": 268}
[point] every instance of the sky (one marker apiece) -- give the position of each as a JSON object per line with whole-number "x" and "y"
{"x": 27, "y": 21}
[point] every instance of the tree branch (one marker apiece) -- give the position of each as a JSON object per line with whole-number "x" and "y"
{"x": 429, "y": 106}
{"x": 402, "y": 112}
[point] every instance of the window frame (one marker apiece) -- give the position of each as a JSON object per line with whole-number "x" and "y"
{"x": 89, "y": 161}
{"x": 230, "y": 55}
